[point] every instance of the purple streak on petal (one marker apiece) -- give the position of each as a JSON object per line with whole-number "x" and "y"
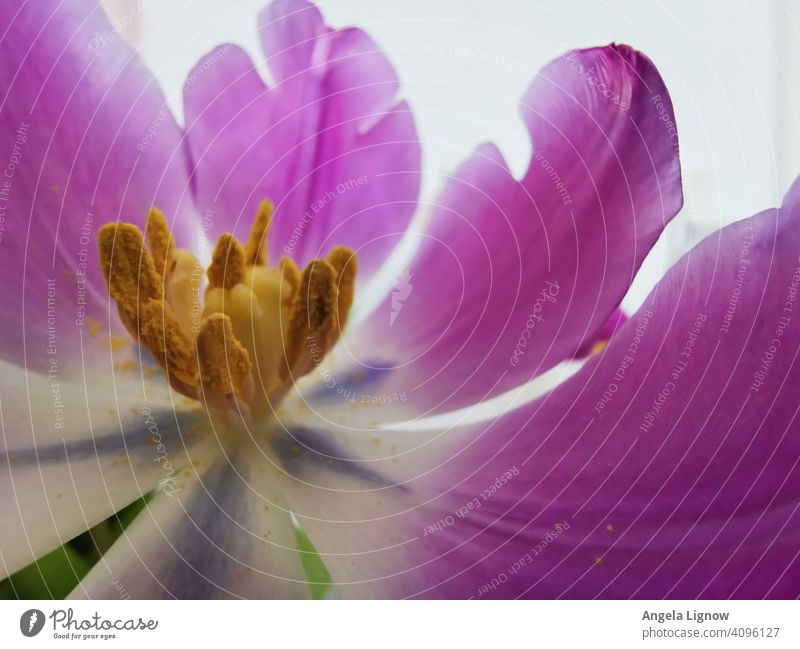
{"x": 103, "y": 443}
{"x": 331, "y": 144}
{"x": 350, "y": 385}
{"x": 88, "y": 138}
{"x": 75, "y": 452}
{"x": 304, "y": 451}
{"x": 514, "y": 276}
{"x": 224, "y": 532}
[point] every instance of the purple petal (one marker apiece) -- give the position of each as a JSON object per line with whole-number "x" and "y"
{"x": 331, "y": 144}
{"x": 668, "y": 467}
{"x": 88, "y": 138}
{"x": 514, "y": 276}
{"x": 289, "y": 31}
{"x": 672, "y": 456}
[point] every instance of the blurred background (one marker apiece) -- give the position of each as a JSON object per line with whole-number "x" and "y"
{"x": 731, "y": 68}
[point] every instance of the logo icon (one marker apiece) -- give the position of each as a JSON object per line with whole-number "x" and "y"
{"x": 402, "y": 289}
{"x": 31, "y": 622}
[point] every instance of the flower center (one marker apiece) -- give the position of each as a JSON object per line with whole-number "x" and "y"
{"x": 259, "y": 329}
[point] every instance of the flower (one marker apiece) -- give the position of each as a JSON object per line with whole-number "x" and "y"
{"x": 665, "y": 466}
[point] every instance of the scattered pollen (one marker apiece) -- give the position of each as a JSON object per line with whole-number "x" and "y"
{"x": 94, "y": 326}
{"x": 117, "y": 344}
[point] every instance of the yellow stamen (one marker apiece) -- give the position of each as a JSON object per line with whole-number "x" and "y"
{"x": 128, "y": 268}
{"x": 316, "y": 301}
{"x": 257, "y": 329}
{"x": 160, "y": 332}
{"x": 314, "y": 312}
{"x": 183, "y": 290}
{"x": 160, "y": 239}
{"x": 255, "y": 248}
{"x": 344, "y": 262}
{"x": 290, "y": 275}
{"x": 227, "y": 263}
{"x": 224, "y": 362}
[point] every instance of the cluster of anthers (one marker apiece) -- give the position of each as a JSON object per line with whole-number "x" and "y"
{"x": 259, "y": 329}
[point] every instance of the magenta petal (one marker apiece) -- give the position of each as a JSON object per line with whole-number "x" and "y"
{"x": 672, "y": 457}
{"x": 667, "y": 467}
{"x": 514, "y": 276}
{"x": 331, "y": 144}
{"x": 289, "y": 32}
{"x": 88, "y": 139}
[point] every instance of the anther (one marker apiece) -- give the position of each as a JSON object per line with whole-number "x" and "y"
{"x": 160, "y": 240}
{"x": 255, "y": 248}
{"x": 273, "y": 325}
{"x": 314, "y": 312}
{"x": 224, "y": 362}
{"x": 227, "y": 263}
{"x": 160, "y": 332}
{"x": 128, "y": 268}
{"x": 290, "y": 275}
{"x": 345, "y": 263}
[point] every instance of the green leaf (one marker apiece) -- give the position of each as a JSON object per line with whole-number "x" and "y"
{"x": 317, "y": 575}
{"x": 55, "y": 575}
{"x": 51, "y": 577}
